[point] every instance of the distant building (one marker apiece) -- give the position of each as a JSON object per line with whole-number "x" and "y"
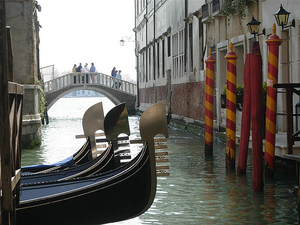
{"x": 83, "y": 93}
{"x": 172, "y": 43}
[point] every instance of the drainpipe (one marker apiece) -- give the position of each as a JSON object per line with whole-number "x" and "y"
{"x": 154, "y": 61}
{"x": 137, "y": 59}
{"x": 185, "y": 35}
{"x": 145, "y": 17}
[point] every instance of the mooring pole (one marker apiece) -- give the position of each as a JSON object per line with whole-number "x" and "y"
{"x": 231, "y": 108}
{"x": 273, "y": 42}
{"x": 256, "y": 117}
{"x": 209, "y": 105}
{"x": 246, "y": 119}
{"x": 7, "y": 206}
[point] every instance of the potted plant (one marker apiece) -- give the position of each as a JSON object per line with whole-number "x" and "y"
{"x": 239, "y": 96}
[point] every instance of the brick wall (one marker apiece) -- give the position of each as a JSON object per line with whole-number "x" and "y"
{"x": 188, "y": 99}
{"x": 153, "y": 95}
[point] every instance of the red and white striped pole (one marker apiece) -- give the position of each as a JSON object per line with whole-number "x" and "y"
{"x": 273, "y": 42}
{"x": 209, "y": 104}
{"x": 231, "y": 108}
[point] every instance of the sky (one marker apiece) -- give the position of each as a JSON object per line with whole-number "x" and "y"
{"x": 75, "y": 31}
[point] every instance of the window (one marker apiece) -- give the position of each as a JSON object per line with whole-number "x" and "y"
{"x": 169, "y": 46}
{"x": 154, "y": 62}
{"x": 150, "y": 66}
{"x": 178, "y": 54}
{"x": 144, "y": 67}
{"x": 201, "y": 46}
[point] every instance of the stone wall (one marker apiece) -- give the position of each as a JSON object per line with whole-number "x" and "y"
{"x": 31, "y": 122}
{"x": 21, "y": 17}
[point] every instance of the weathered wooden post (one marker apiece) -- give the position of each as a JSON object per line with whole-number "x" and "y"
{"x": 231, "y": 108}
{"x": 209, "y": 104}
{"x": 256, "y": 117}
{"x": 6, "y": 174}
{"x": 273, "y": 42}
{"x": 246, "y": 119}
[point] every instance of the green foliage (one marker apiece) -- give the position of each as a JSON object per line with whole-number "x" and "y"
{"x": 224, "y": 89}
{"x": 34, "y": 144}
{"x": 42, "y": 102}
{"x": 241, "y": 8}
{"x": 236, "y": 7}
{"x": 228, "y": 8}
{"x": 239, "y": 89}
{"x": 264, "y": 93}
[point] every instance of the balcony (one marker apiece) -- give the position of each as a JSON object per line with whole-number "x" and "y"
{"x": 206, "y": 12}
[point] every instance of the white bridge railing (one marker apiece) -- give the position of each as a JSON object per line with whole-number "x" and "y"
{"x": 73, "y": 79}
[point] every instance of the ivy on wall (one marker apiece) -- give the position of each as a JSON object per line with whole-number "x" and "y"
{"x": 235, "y": 7}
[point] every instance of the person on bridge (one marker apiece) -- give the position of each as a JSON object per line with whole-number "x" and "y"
{"x": 86, "y": 71}
{"x": 78, "y": 70}
{"x": 74, "y": 71}
{"x": 93, "y": 70}
{"x": 118, "y": 82}
{"x": 113, "y": 74}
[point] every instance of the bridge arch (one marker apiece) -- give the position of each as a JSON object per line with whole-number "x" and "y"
{"x": 104, "y": 84}
{"x": 60, "y": 95}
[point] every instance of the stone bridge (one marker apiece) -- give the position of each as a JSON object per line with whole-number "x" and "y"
{"x": 114, "y": 89}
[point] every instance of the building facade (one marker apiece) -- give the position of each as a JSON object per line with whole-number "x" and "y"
{"x": 172, "y": 42}
{"x": 21, "y": 17}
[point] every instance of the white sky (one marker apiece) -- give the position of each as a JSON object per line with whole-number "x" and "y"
{"x": 75, "y": 31}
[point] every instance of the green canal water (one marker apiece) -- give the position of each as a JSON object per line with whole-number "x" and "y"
{"x": 196, "y": 192}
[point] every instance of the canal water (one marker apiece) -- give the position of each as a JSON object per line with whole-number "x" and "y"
{"x": 196, "y": 192}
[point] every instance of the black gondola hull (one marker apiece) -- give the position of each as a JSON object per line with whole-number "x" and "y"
{"x": 118, "y": 196}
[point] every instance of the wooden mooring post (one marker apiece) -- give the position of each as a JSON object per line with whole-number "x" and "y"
{"x": 256, "y": 117}
{"x": 271, "y": 105}
{"x": 231, "y": 108}
{"x": 209, "y": 105}
{"x": 11, "y": 101}
{"x": 246, "y": 119}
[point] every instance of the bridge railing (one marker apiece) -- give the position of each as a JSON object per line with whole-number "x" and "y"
{"x": 73, "y": 79}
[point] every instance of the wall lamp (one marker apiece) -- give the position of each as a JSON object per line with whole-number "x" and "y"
{"x": 282, "y": 18}
{"x": 129, "y": 39}
{"x": 253, "y": 27}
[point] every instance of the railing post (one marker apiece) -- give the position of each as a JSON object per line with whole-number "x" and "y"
{"x": 289, "y": 113}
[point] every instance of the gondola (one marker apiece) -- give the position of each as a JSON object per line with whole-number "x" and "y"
{"x": 119, "y": 194}
{"x": 83, "y": 155}
{"x": 102, "y": 163}
{"x": 93, "y": 119}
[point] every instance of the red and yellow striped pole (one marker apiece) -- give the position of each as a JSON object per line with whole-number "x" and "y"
{"x": 209, "y": 104}
{"x": 273, "y": 42}
{"x": 231, "y": 108}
